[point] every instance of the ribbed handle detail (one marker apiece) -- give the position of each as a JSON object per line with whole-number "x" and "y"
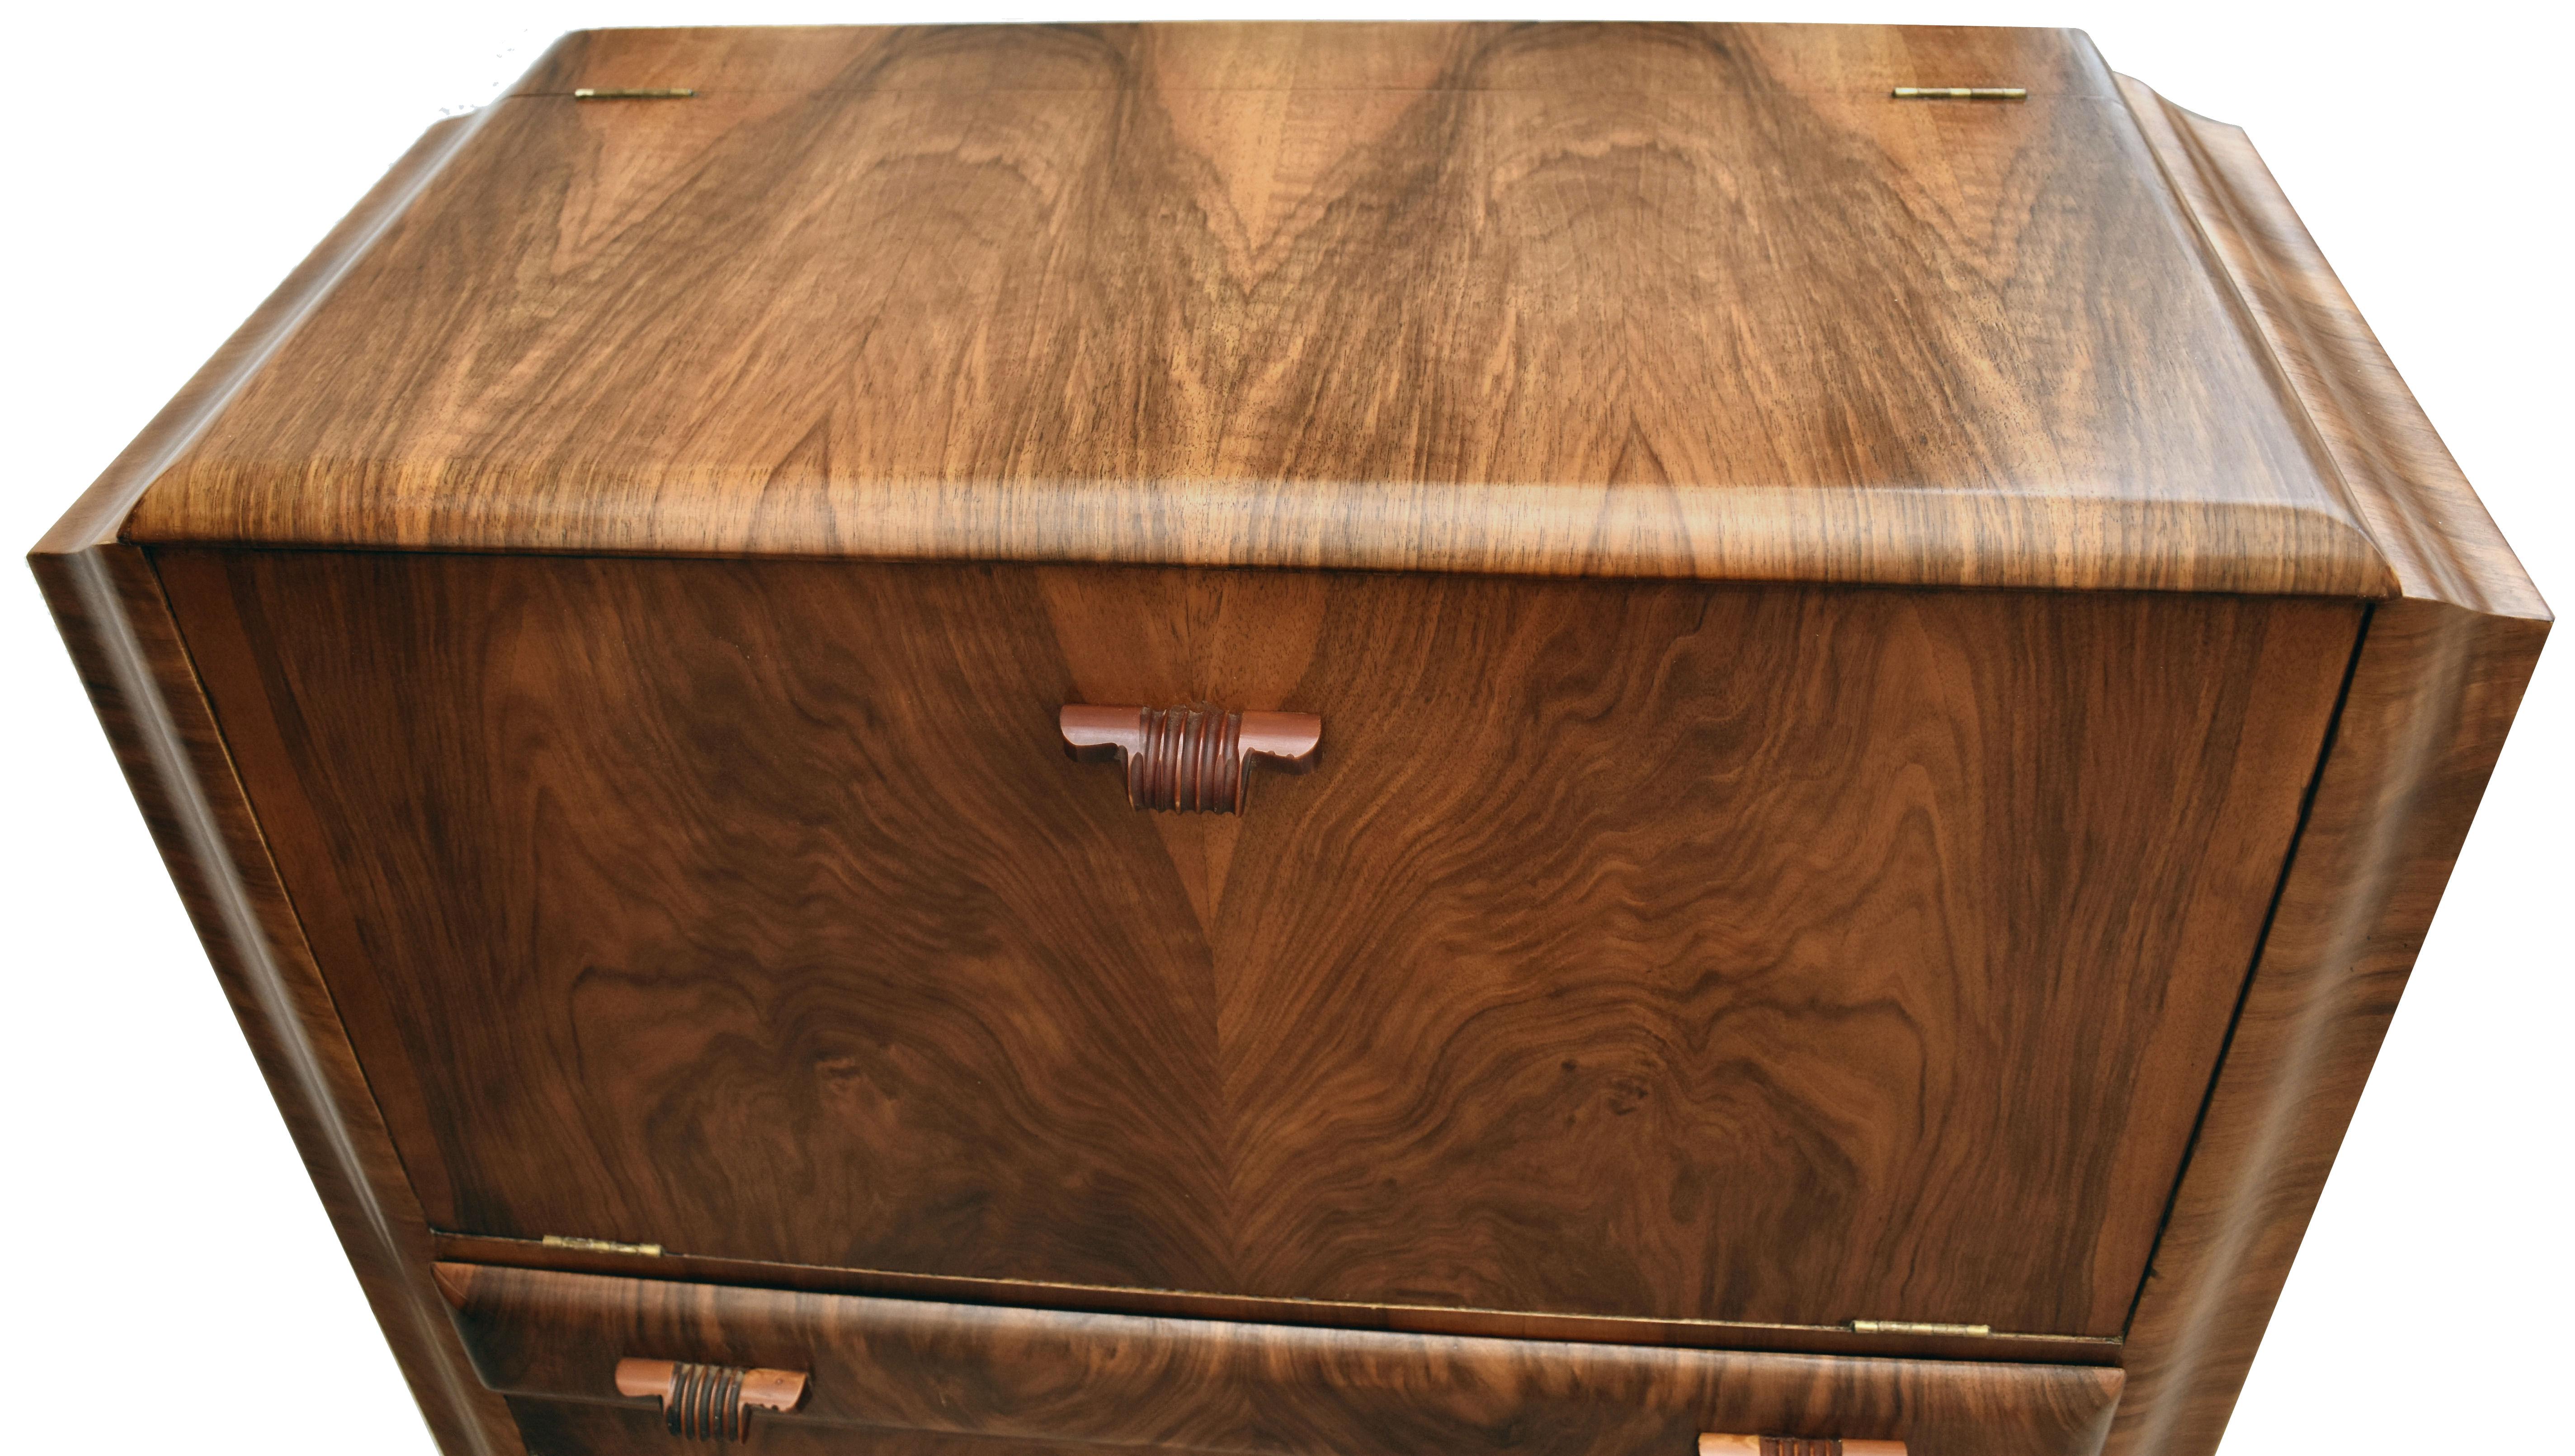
{"x": 710, "y": 1402}
{"x": 1716, "y": 1444}
{"x": 705, "y": 1403}
{"x": 1192, "y": 759}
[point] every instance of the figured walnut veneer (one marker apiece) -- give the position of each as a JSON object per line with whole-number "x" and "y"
{"x": 911, "y": 1375}
{"x": 1664, "y": 301}
{"x": 593, "y": 648}
{"x": 1649, "y": 954}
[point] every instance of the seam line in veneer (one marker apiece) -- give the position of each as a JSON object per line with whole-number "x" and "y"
{"x": 2261, "y": 943}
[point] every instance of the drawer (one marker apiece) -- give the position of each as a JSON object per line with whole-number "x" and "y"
{"x": 1637, "y": 951}
{"x": 913, "y": 1377}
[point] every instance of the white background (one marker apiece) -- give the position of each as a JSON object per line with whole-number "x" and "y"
{"x": 167, "y": 166}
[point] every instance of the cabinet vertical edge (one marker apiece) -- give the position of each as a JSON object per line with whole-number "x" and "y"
{"x": 2432, "y": 698}
{"x": 2434, "y": 687}
{"x": 107, "y": 600}
{"x": 108, "y": 603}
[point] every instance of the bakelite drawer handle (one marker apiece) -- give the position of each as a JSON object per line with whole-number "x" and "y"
{"x": 710, "y": 1402}
{"x": 1189, "y": 759}
{"x": 1712, "y": 1444}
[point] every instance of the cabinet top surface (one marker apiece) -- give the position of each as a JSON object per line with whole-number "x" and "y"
{"x": 1685, "y": 299}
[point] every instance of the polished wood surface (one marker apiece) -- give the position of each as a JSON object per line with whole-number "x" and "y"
{"x": 117, "y": 624}
{"x": 577, "y": 1428}
{"x": 1667, "y": 301}
{"x": 2435, "y": 537}
{"x": 1384, "y": 296}
{"x": 1261, "y": 1390}
{"x": 107, "y": 600}
{"x": 2432, "y": 695}
{"x": 1931, "y": 1342}
{"x": 1661, "y": 950}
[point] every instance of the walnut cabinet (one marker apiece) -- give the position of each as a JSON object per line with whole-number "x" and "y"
{"x": 1276, "y": 738}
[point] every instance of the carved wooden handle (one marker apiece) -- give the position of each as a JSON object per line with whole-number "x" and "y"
{"x": 1189, "y": 759}
{"x": 710, "y": 1402}
{"x": 1712, "y": 1444}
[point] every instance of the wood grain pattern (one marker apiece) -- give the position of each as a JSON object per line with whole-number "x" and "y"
{"x": 108, "y": 603}
{"x": 1670, "y": 951}
{"x": 577, "y": 1429}
{"x": 2432, "y": 695}
{"x": 1640, "y": 301}
{"x": 1276, "y": 55}
{"x": 112, "y": 614}
{"x": 1930, "y": 1344}
{"x": 1538, "y": 301}
{"x": 2435, "y": 535}
{"x": 1124, "y": 1381}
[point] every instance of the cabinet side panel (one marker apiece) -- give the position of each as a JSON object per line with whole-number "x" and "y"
{"x": 2430, "y": 700}
{"x": 113, "y": 616}
{"x": 2432, "y": 695}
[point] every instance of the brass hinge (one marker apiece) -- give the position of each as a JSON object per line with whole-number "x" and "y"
{"x": 1962, "y": 93}
{"x": 1914, "y": 1327}
{"x": 599, "y": 1245}
{"x": 632, "y": 93}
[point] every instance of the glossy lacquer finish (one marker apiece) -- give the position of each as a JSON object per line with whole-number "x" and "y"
{"x": 1682, "y": 952}
{"x": 910, "y": 1376}
{"x": 1703, "y": 925}
{"x": 1687, "y": 300}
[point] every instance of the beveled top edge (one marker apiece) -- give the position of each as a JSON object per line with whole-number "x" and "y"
{"x": 2412, "y": 502}
{"x": 1921, "y": 537}
{"x": 751, "y": 57}
{"x": 103, "y": 514}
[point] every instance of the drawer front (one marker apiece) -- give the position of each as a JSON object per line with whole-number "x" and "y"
{"x": 890, "y": 1375}
{"x": 1655, "y": 951}
{"x": 576, "y": 1428}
